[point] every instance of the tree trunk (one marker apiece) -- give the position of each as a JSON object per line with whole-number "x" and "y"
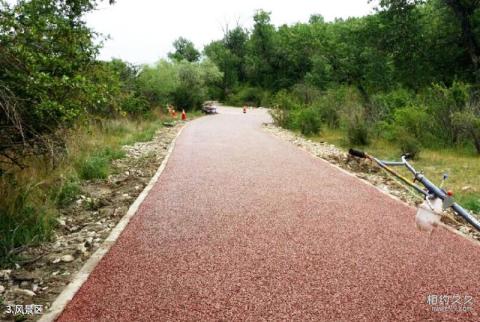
{"x": 476, "y": 141}
{"x": 464, "y": 12}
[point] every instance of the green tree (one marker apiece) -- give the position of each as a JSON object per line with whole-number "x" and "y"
{"x": 465, "y": 11}
{"x": 184, "y": 50}
{"x": 229, "y": 55}
{"x": 261, "y": 52}
{"x": 186, "y": 85}
{"x": 46, "y": 55}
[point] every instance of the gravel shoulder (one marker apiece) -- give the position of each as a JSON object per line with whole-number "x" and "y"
{"x": 367, "y": 171}
{"x": 83, "y": 226}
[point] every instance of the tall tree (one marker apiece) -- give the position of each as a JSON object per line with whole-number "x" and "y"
{"x": 465, "y": 11}
{"x": 261, "y": 51}
{"x": 184, "y": 50}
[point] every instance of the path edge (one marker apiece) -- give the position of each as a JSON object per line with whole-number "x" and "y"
{"x": 351, "y": 174}
{"x": 81, "y": 277}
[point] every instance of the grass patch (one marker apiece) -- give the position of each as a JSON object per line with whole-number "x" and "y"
{"x": 26, "y": 218}
{"x": 94, "y": 167}
{"x": 462, "y": 165}
{"x": 97, "y": 166}
{"x": 67, "y": 192}
{"x": 30, "y": 199}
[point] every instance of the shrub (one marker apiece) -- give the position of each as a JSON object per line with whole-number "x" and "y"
{"x": 468, "y": 123}
{"x": 384, "y": 105}
{"x": 308, "y": 121}
{"x": 409, "y": 145}
{"x": 413, "y": 120}
{"x": 247, "y": 95}
{"x": 282, "y": 118}
{"x": 442, "y": 102}
{"x": 134, "y": 105}
{"x": 337, "y": 105}
{"x": 283, "y": 110}
{"x": 285, "y": 101}
{"x": 307, "y": 94}
{"x": 357, "y": 131}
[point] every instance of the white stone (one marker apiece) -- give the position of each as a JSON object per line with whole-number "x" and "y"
{"x": 81, "y": 249}
{"x": 5, "y": 274}
{"x": 21, "y": 291}
{"x": 67, "y": 258}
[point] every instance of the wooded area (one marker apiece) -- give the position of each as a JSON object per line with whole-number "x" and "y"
{"x": 408, "y": 73}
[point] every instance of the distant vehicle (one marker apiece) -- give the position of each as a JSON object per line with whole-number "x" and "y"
{"x": 209, "y": 107}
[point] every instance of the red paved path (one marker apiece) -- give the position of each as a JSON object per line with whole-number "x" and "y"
{"x": 244, "y": 226}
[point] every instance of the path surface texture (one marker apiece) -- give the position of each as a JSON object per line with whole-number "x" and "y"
{"x": 244, "y": 226}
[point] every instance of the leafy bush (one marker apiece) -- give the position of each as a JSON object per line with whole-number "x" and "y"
{"x": 247, "y": 95}
{"x": 336, "y": 105}
{"x": 282, "y": 118}
{"x": 307, "y": 94}
{"x": 413, "y": 120}
{"x": 384, "y": 105}
{"x": 308, "y": 121}
{"x": 283, "y": 109}
{"x": 468, "y": 122}
{"x": 442, "y": 102}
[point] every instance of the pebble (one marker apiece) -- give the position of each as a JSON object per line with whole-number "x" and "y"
{"x": 5, "y": 274}
{"x": 89, "y": 241}
{"x": 67, "y": 258}
{"x": 21, "y": 291}
{"x": 81, "y": 249}
{"x": 2, "y": 289}
{"x": 464, "y": 230}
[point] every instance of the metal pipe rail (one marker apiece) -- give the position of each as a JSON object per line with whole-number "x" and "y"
{"x": 431, "y": 190}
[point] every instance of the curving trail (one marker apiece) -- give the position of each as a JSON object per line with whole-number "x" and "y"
{"x": 244, "y": 226}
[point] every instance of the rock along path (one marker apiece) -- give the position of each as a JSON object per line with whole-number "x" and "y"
{"x": 244, "y": 226}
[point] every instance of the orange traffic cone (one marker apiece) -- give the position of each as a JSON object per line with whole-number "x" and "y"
{"x": 184, "y": 115}
{"x": 244, "y": 109}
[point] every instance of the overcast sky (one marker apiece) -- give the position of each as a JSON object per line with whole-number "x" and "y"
{"x": 142, "y": 31}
